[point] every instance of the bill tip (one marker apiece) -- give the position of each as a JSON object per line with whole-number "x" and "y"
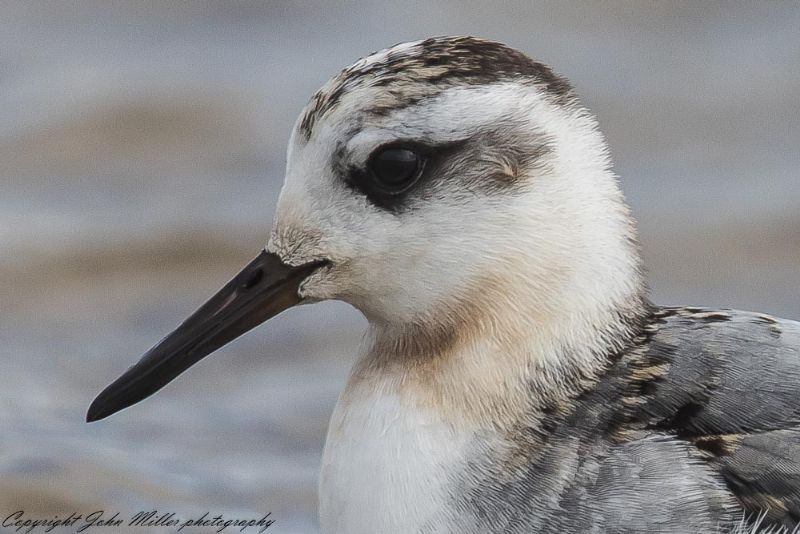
{"x": 96, "y": 412}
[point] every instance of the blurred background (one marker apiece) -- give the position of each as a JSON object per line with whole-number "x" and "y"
{"x": 141, "y": 153}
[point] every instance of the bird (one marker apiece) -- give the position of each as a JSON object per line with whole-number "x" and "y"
{"x": 514, "y": 375}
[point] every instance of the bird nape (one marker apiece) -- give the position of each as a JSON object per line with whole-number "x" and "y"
{"x": 514, "y": 376}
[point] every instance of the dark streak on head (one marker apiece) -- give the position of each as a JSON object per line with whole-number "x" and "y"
{"x": 431, "y": 66}
{"x": 494, "y": 161}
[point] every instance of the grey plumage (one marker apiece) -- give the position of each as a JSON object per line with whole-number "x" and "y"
{"x": 691, "y": 429}
{"x": 732, "y": 390}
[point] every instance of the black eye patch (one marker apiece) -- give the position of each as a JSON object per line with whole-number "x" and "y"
{"x": 395, "y": 170}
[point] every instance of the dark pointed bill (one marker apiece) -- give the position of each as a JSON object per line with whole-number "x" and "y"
{"x": 263, "y": 289}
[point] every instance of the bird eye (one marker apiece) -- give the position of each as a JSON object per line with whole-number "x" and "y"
{"x": 394, "y": 170}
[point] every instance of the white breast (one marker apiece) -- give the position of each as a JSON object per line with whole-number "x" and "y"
{"x": 386, "y": 465}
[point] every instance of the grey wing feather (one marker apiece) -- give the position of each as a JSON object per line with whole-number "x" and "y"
{"x": 731, "y": 385}
{"x": 763, "y": 470}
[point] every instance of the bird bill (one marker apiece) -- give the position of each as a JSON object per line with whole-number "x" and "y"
{"x": 263, "y": 289}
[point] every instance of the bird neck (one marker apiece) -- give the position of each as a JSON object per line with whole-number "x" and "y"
{"x": 500, "y": 365}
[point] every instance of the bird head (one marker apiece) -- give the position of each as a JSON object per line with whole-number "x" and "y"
{"x": 439, "y": 184}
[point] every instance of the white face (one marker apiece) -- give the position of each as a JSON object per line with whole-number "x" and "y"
{"x": 516, "y": 197}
